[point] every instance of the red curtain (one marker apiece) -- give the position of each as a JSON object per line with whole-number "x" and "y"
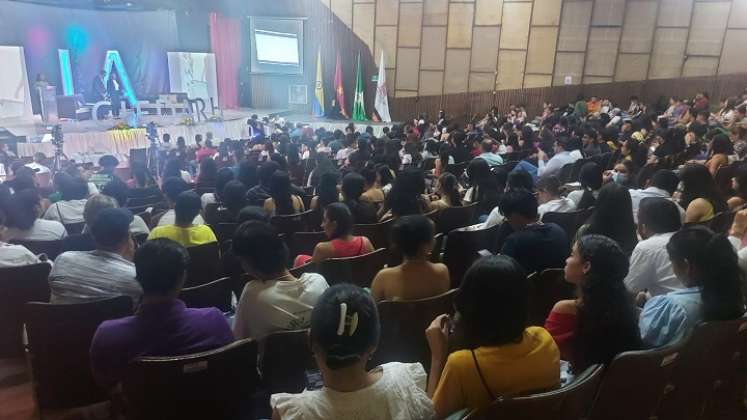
{"x": 225, "y": 41}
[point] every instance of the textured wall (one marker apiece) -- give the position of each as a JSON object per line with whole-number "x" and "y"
{"x": 435, "y": 47}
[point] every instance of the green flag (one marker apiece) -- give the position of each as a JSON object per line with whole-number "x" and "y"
{"x": 359, "y": 109}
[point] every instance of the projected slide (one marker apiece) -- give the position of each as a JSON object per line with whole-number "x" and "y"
{"x": 277, "y": 47}
{"x": 193, "y": 74}
{"x": 15, "y": 97}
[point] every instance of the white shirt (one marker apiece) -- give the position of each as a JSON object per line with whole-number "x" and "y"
{"x": 576, "y": 195}
{"x": 16, "y": 256}
{"x": 138, "y": 226}
{"x": 41, "y": 230}
{"x": 66, "y": 211}
{"x": 41, "y": 168}
{"x": 186, "y": 176}
{"x": 207, "y": 198}
{"x": 494, "y": 218}
{"x": 741, "y": 253}
{"x": 553, "y": 166}
{"x": 651, "y": 268}
{"x": 82, "y": 276}
{"x": 274, "y": 305}
{"x": 559, "y": 205}
{"x": 169, "y": 218}
{"x": 636, "y": 196}
{"x": 398, "y": 395}
{"x": 343, "y": 154}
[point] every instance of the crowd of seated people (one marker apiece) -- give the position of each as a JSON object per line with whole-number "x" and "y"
{"x": 647, "y": 266}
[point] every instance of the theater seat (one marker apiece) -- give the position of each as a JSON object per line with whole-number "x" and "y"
{"x": 286, "y": 358}
{"x": 204, "y": 264}
{"x": 216, "y": 294}
{"x": 461, "y": 249}
{"x": 452, "y": 218}
{"x": 19, "y": 285}
{"x": 377, "y": 233}
{"x": 545, "y": 290}
{"x": 359, "y": 270}
{"x": 52, "y": 249}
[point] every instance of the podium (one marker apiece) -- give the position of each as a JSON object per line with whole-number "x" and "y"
{"x": 48, "y": 102}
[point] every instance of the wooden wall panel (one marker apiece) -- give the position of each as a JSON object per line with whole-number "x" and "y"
{"x": 485, "y": 48}
{"x": 481, "y": 82}
{"x": 640, "y": 22}
{"x": 541, "y": 52}
{"x": 431, "y": 83}
{"x": 411, "y": 16}
{"x": 456, "y": 78}
{"x": 386, "y": 39}
{"x": 608, "y": 12}
{"x": 708, "y": 26}
{"x": 592, "y": 80}
{"x": 405, "y": 94}
{"x": 734, "y": 59}
{"x": 343, "y": 9}
{"x": 460, "y": 25}
{"x": 435, "y": 12}
{"x": 407, "y": 69}
{"x": 510, "y": 69}
{"x": 631, "y": 67}
{"x": 568, "y": 64}
{"x": 488, "y": 12}
{"x": 537, "y": 80}
{"x": 602, "y": 50}
{"x": 546, "y": 12}
{"x": 668, "y": 53}
{"x": 363, "y": 23}
{"x": 387, "y": 12}
{"x": 574, "y": 26}
{"x": 515, "y": 29}
{"x": 738, "y": 17}
{"x": 700, "y": 66}
{"x": 675, "y": 13}
{"x": 434, "y": 48}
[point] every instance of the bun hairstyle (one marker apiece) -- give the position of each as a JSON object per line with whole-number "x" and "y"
{"x": 344, "y": 325}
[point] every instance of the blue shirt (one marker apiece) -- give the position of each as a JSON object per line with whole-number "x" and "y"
{"x": 493, "y": 159}
{"x": 668, "y": 318}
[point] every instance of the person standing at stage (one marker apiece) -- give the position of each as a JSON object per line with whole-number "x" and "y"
{"x": 98, "y": 89}
{"x": 114, "y": 89}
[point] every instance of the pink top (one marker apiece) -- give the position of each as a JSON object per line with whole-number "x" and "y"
{"x": 562, "y": 327}
{"x": 351, "y": 248}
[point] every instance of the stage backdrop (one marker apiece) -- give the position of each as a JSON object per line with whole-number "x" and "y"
{"x": 15, "y": 101}
{"x": 142, "y": 39}
{"x": 194, "y": 73}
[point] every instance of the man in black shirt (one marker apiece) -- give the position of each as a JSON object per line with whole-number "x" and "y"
{"x": 535, "y": 245}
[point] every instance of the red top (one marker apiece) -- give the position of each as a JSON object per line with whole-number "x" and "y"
{"x": 205, "y": 152}
{"x": 562, "y": 327}
{"x": 351, "y": 248}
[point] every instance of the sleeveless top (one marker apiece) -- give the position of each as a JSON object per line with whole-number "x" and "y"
{"x": 351, "y": 248}
{"x": 709, "y": 214}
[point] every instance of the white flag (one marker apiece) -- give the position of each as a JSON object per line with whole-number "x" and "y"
{"x": 381, "y": 103}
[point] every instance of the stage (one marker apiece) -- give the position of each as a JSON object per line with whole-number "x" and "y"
{"x": 86, "y": 141}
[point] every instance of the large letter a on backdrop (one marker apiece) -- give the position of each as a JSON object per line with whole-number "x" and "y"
{"x": 113, "y": 59}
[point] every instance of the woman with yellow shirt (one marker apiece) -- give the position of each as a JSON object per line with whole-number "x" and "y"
{"x": 501, "y": 356}
{"x": 700, "y": 197}
{"x": 186, "y": 208}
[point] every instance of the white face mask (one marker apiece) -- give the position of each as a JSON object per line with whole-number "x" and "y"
{"x": 619, "y": 178}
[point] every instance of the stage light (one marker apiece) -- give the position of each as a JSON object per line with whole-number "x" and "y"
{"x": 66, "y": 72}
{"x": 76, "y": 38}
{"x": 114, "y": 59}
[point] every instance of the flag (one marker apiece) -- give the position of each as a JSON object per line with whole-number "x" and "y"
{"x": 318, "y": 102}
{"x": 359, "y": 109}
{"x": 339, "y": 90}
{"x": 381, "y": 103}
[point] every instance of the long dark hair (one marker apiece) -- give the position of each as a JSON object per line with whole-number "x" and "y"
{"x": 340, "y": 214}
{"x": 326, "y": 191}
{"x": 591, "y": 180}
{"x": 404, "y": 198}
{"x": 484, "y": 183}
{"x": 208, "y": 171}
{"x": 607, "y": 318}
{"x": 717, "y": 269}
{"x": 450, "y": 187}
{"x": 613, "y": 217}
{"x": 697, "y": 182}
{"x": 280, "y": 191}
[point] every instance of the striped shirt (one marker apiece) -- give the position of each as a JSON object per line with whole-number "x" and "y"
{"x": 82, "y": 276}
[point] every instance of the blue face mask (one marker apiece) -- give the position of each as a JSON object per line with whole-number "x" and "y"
{"x": 619, "y": 178}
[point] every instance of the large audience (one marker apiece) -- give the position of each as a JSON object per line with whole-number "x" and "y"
{"x": 648, "y": 262}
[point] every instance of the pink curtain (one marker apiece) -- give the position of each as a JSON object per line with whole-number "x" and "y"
{"x": 225, "y": 41}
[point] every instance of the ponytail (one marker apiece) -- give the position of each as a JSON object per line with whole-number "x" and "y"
{"x": 449, "y": 185}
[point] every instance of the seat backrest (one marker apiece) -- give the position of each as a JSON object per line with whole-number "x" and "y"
{"x": 204, "y": 264}
{"x": 224, "y": 231}
{"x": 438, "y": 247}
{"x": 564, "y": 176}
{"x": 576, "y": 169}
{"x": 570, "y": 221}
{"x": 215, "y": 384}
{"x": 452, "y": 218}
{"x": 377, "y": 233}
{"x": 285, "y": 359}
{"x": 19, "y": 285}
{"x": 144, "y": 201}
{"x": 289, "y": 223}
{"x": 304, "y": 242}
{"x": 403, "y": 324}
{"x": 216, "y": 294}
{"x": 571, "y": 402}
{"x": 359, "y": 270}
{"x": 545, "y": 290}
{"x": 143, "y": 192}
{"x": 59, "y": 339}
{"x": 211, "y": 213}
{"x": 635, "y": 383}
{"x": 456, "y": 169}
{"x": 461, "y": 249}
{"x": 709, "y": 382}
{"x": 51, "y": 248}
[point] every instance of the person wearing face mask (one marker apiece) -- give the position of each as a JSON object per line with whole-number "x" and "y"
{"x": 621, "y": 174}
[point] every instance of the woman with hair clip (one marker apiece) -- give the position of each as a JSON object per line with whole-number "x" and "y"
{"x": 591, "y": 178}
{"x": 707, "y": 266}
{"x": 448, "y": 190}
{"x": 344, "y": 335}
{"x": 602, "y": 321}
{"x": 499, "y": 353}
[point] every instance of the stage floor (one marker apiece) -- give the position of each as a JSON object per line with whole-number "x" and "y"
{"x": 87, "y": 141}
